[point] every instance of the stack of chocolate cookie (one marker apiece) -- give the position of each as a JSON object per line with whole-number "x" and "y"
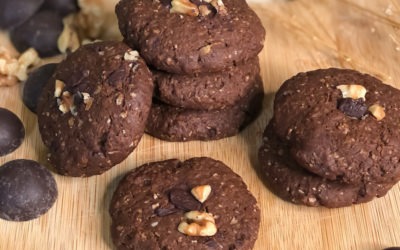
{"x": 205, "y": 66}
{"x": 333, "y": 140}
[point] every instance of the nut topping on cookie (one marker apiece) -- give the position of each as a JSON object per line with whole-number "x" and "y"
{"x": 198, "y": 224}
{"x": 201, "y": 193}
{"x": 65, "y": 103}
{"x": 355, "y": 108}
{"x": 204, "y": 10}
{"x": 131, "y": 55}
{"x": 220, "y": 7}
{"x": 184, "y": 7}
{"x": 377, "y": 111}
{"x": 58, "y": 88}
{"x": 353, "y": 91}
{"x": 87, "y": 100}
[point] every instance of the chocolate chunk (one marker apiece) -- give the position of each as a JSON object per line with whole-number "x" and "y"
{"x": 63, "y": 7}
{"x": 27, "y": 190}
{"x": 35, "y": 83}
{"x": 15, "y": 12}
{"x": 12, "y": 132}
{"x": 184, "y": 200}
{"x": 353, "y": 108}
{"x": 164, "y": 211}
{"x": 212, "y": 244}
{"x": 40, "y": 32}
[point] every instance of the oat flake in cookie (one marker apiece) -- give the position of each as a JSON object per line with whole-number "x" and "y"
{"x": 341, "y": 125}
{"x": 150, "y": 211}
{"x": 92, "y": 112}
{"x": 182, "y": 36}
{"x": 293, "y": 183}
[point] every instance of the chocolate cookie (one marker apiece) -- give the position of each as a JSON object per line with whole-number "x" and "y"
{"x": 336, "y": 130}
{"x": 291, "y": 182}
{"x": 207, "y": 91}
{"x": 150, "y": 211}
{"x": 12, "y": 132}
{"x": 181, "y": 36}
{"x": 93, "y": 110}
{"x": 178, "y": 124}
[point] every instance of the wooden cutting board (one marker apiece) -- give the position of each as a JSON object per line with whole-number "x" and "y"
{"x": 301, "y": 35}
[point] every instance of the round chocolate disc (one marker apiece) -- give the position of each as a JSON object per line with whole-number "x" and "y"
{"x": 35, "y": 83}
{"x": 12, "y": 132}
{"x": 40, "y": 32}
{"x": 27, "y": 190}
{"x": 15, "y": 12}
{"x": 63, "y": 7}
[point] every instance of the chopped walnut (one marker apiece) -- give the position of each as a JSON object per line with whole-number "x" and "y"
{"x": 201, "y": 193}
{"x": 87, "y": 100}
{"x": 58, "y": 88}
{"x": 17, "y": 67}
{"x": 353, "y": 91}
{"x": 198, "y": 224}
{"x": 377, "y": 111}
{"x": 184, "y": 7}
{"x": 68, "y": 39}
{"x": 131, "y": 55}
{"x": 220, "y": 7}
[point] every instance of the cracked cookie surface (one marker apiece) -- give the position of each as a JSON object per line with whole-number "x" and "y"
{"x": 92, "y": 112}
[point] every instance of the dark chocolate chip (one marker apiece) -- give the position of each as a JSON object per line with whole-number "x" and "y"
{"x": 15, "y": 12}
{"x": 78, "y": 98}
{"x": 40, "y": 32}
{"x": 184, "y": 200}
{"x": 12, "y": 132}
{"x": 392, "y": 248}
{"x": 212, "y": 244}
{"x": 355, "y": 108}
{"x": 164, "y": 211}
{"x": 63, "y": 7}
{"x": 34, "y": 85}
{"x": 27, "y": 190}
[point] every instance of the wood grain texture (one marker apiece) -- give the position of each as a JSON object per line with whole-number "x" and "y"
{"x": 301, "y": 35}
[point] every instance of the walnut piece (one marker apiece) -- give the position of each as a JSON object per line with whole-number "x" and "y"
{"x": 377, "y": 111}
{"x": 131, "y": 55}
{"x": 87, "y": 100}
{"x": 58, "y": 88}
{"x": 220, "y": 7}
{"x": 353, "y": 91}
{"x": 68, "y": 41}
{"x": 204, "y": 10}
{"x": 65, "y": 102}
{"x": 198, "y": 223}
{"x": 13, "y": 67}
{"x": 201, "y": 193}
{"x": 184, "y": 7}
